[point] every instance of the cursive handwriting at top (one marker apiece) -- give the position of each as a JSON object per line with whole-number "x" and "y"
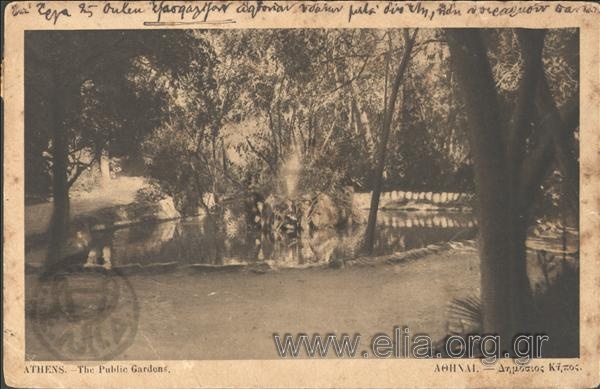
{"x": 194, "y": 12}
{"x": 17, "y": 9}
{"x": 123, "y": 8}
{"x": 51, "y": 14}
{"x": 201, "y": 11}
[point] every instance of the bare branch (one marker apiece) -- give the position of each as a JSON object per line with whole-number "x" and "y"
{"x": 261, "y": 155}
{"x": 80, "y": 167}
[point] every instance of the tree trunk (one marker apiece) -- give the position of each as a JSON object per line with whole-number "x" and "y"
{"x": 561, "y": 128}
{"x": 224, "y": 154}
{"x": 382, "y": 146}
{"x": 531, "y": 42}
{"x": 105, "y": 168}
{"x": 498, "y": 156}
{"x": 60, "y": 187}
{"x": 491, "y": 180}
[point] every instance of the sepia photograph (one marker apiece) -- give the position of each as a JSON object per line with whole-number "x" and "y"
{"x": 239, "y": 194}
{"x": 302, "y": 194}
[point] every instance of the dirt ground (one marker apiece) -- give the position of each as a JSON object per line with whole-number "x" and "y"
{"x": 234, "y": 314}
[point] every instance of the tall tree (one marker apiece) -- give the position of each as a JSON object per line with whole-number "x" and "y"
{"x": 388, "y": 117}
{"x": 508, "y": 170}
{"x": 72, "y": 59}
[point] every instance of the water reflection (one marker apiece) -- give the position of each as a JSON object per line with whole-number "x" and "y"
{"x": 196, "y": 241}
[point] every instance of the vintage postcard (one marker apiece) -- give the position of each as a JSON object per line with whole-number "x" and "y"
{"x": 274, "y": 194}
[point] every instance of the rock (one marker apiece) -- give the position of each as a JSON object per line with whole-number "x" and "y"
{"x": 209, "y": 200}
{"x": 168, "y": 210}
{"x": 325, "y": 213}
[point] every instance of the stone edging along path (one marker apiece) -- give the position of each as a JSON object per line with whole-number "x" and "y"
{"x": 401, "y": 200}
{"x": 413, "y": 254}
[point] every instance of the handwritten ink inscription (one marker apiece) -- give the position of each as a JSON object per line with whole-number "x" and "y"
{"x": 17, "y": 9}
{"x": 122, "y": 9}
{"x": 200, "y": 11}
{"x": 52, "y": 14}
{"x": 214, "y": 11}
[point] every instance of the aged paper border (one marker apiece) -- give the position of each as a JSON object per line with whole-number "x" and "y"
{"x": 301, "y": 373}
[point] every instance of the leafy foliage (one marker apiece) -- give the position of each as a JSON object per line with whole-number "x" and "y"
{"x": 222, "y": 111}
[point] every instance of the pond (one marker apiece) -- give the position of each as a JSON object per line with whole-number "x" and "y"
{"x": 194, "y": 241}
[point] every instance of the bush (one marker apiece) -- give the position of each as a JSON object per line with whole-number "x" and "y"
{"x": 152, "y": 193}
{"x": 555, "y": 310}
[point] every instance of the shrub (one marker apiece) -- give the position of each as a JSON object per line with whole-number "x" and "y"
{"x": 152, "y": 192}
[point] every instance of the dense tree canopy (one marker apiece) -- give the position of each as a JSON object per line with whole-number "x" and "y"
{"x": 242, "y": 102}
{"x": 228, "y": 113}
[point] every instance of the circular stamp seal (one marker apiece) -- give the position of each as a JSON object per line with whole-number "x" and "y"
{"x": 82, "y": 314}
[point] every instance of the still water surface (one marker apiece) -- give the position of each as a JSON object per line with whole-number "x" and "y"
{"x": 194, "y": 241}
